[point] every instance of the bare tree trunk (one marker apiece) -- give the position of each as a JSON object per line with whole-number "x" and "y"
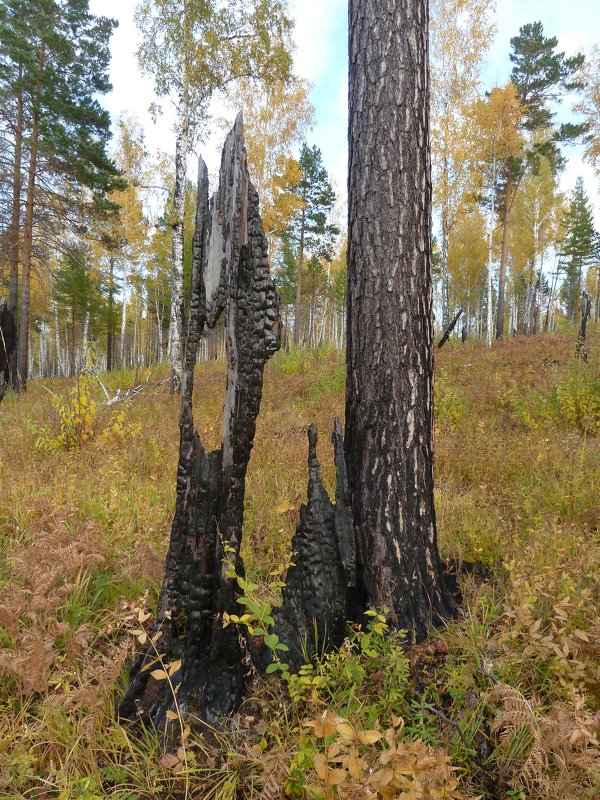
{"x": 445, "y": 279}
{"x": 110, "y": 332}
{"x": 490, "y": 296}
{"x": 586, "y": 307}
{"x": 14, "y": 235}
{"x": 123, "y": 338}
{"x": 177, "y": 298}
{"x": 508, "y": 199}
{"x": 23, "y": 346}
{"x": 389, "y": 390}
{"x": 299, "y": 269}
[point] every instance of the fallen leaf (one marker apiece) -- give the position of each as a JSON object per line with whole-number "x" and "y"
{"x": 169, "y": 761}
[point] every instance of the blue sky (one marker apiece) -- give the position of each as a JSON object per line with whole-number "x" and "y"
{"x": 321, "y": 37}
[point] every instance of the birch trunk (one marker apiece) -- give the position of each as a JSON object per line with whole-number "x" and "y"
{"x": 300, "y": 268}
{"x": 123, "y": 324}
{"x": 508, "y": 198}
{"x": 490, "y": 295}
{"x": 177, "y": 298}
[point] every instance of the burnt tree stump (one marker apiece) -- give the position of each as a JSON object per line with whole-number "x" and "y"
{"x": 586, "y": 308}
{"x": 8, "y": 344}
{"x": 320, "y": 587}
{"x": 230, "y": 274}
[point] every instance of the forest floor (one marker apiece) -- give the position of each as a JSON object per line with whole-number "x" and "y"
{"x": 502, "y": 702}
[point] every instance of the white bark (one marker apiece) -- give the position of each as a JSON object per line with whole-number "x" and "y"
{"x": 59, "y": 362}
{"x": 176, "y": 324}
{"x": 123, "y": 324}
{"x": 490, "y": 309}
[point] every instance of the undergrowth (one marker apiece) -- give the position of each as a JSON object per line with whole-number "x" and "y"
{"x": 504, "y": 702}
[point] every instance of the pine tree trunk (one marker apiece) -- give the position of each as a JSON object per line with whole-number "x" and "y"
{"x": 23, "y": 346}
{"x": 389, "y": 393}
{"x": 15, "y": 226}
{"x": 177, "y": 298}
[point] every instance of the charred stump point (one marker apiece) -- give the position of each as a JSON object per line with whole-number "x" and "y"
{"x": 8, "y": 343}
{"x": 230, "y": 274}
{"x": 320, "y": 586}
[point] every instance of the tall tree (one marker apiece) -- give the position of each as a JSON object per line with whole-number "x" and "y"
{"x": 311, "y": 230}
{"x": 193, "y": 49}
{"x": 535, "y": 224}
{"x": 580, "y": 248}
{"x": 276, "y": 119}
{"x": 389, "y": 388}
{"x": 497, "y": 139}
{"x": 461, "y": 33}
{"x": 59, "y": 53}
{"x": 74, "y": 295}
{"x": 542, "y": 76}
{"x": 467, "y": 261}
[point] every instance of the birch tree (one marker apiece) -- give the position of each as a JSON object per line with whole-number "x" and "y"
{"x": 461, "y": 33}
{"x": 194, "y": 49}
{"x": 277, "y": 117}
{"x": 496, "y": 139}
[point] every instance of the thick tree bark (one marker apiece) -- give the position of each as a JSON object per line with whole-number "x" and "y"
{"x": 389, "y": 393}
{"x": 231, "y": 274}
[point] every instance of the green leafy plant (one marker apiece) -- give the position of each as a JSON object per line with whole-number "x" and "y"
{"x": 76, "y": 413}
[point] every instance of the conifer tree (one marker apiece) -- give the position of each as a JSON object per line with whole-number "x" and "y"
{"x": 542, "y": 76}
{"x": 311, "y": 230}
{"x": 580, "y": 247}
{"x": 56, "y": 56}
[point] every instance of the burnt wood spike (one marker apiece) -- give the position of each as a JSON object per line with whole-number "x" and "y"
{"x": 8, "y": 343}
{"x": 230, "y": 274}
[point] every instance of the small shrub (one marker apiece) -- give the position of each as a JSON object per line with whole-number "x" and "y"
{"x": 578, "y": 401}
{"x": 76, "y": 414}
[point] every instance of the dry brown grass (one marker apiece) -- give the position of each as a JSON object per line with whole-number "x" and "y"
{"x": 83, "y": 535}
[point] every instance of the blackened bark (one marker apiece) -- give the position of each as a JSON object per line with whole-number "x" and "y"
{"x": 389, "y": 392}
{"x": 586, "y": 308}
{"x": 231, "y": 273}
{"x": 8, "y": 344}
{"x": 447, "y": 333}
{"x": 320, "y": 587}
